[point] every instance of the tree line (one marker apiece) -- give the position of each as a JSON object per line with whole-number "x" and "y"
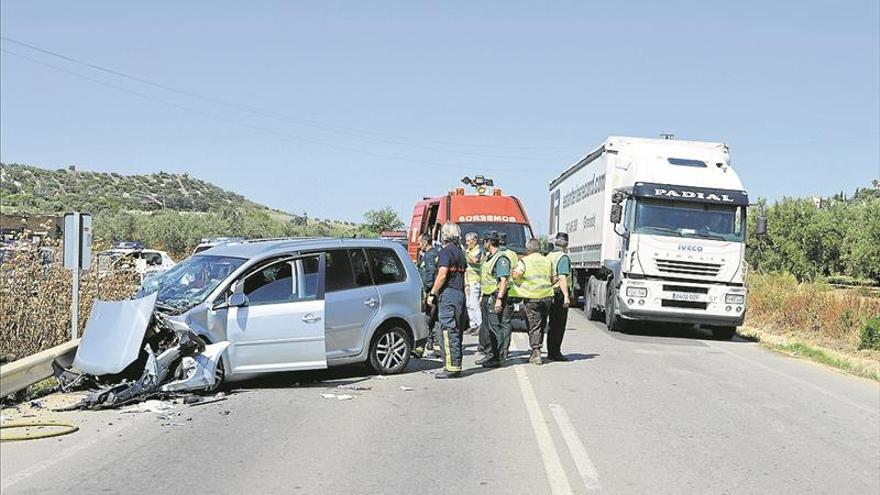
{"x": 837, "y": 239}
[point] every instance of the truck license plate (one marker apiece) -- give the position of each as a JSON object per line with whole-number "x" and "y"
{"x": 689, "y": 296}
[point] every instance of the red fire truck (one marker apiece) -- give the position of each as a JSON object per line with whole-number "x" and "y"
{"x": 477, "y": 212}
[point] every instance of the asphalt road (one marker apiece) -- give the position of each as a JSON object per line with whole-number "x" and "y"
{"x": 667, "y": 411}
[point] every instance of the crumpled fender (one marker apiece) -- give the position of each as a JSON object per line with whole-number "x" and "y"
{"x": 203, "y": 367}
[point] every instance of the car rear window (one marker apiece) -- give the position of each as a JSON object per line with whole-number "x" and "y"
{"x": 386, "y": 265}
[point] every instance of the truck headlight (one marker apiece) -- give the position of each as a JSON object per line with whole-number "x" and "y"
{"x": 734, "y": 299}
{"x": 636, "y": 292}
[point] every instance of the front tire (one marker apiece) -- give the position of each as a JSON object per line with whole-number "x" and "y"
{"x": 613, "y": 322}
{"x": 390, "y": 350}
{"x": 723, "y": 333}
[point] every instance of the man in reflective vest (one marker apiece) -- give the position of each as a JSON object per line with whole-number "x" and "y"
{"x": 561, "y": 297}
{"x": 533, "y": 278}
{"x": 474, "y": 257}
{"x": 496, "y": 311}
{"x": 561, "y": 264}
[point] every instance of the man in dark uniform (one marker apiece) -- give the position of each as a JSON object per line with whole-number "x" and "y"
{"x": 561, "y": 297}
{"x": 448, "y": 295}
{"x": 427, "y": 265}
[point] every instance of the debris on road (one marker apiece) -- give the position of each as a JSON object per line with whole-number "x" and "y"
{"x": 153, "y": 406}
{"x": 130, "y": 352}
{"x": 406, "y": 389}
{"x": 344, "y": 397}
{"x": 354, "y": 386}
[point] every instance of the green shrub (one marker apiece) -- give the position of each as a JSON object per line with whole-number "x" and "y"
{"x": 870, "y": 337}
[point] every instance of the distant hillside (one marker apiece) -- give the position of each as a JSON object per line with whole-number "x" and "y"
{"x": 31, "y": 189}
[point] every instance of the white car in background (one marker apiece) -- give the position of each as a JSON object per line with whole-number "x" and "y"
{"x": 132, "y": 256}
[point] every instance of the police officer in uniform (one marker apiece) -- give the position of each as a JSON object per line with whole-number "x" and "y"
{"x": 561, "y": 265}
{"x": 533, "y": 277}
{"x": 427, "y": 265}
{"x": 494, "y": 305}
{"x": 447, "y": 294}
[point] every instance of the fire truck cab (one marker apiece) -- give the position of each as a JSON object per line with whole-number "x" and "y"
{"x": 478, "y": 212}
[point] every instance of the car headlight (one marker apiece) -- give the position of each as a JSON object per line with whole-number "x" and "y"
{"x": 636, "y": 292}
{"x": 734, "y": 299}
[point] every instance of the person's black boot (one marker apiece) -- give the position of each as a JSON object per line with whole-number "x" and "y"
{"x": 447, "y": 374}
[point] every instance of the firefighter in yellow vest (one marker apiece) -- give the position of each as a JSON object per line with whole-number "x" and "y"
{"x": 533, "y": 279}
{"x": 561, "y": 264}
{"x": 496, "y": 312}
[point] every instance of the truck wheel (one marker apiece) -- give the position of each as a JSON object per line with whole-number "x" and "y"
{"x": 612, "y": 321}
{"x": 589, "y": 305}
{"x": 723, "y": 333}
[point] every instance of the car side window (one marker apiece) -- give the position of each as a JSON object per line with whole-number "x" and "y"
{"x": 306, "y": 281}
{"x": 153, "y": 259}
{"x": 270, "y": 284}
{"x": 360, "y": 267}
{"x": 338, "y": 275}
{"x": 387, "y": 267}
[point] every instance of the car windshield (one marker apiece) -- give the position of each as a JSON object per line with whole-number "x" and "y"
{"x": 190, "y": 281}
{"x": 517, "y": 234}
{"x": 690, "y": 219}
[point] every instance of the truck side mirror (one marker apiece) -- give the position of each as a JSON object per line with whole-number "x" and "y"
{"x": 761, "y": 226}
{"x": 616, "y": 213}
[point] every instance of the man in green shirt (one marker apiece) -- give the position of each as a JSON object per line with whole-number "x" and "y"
{"x": 561, "y": 297}
{"x": 496, "y": 311}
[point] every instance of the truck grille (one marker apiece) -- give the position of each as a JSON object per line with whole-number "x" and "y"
{"x": 688, "y": 267}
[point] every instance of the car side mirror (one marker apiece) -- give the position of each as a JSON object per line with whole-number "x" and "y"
{"x": 237, "y": 300}
{"x": 616, "y": 213}
{"x": 761, "y": 226}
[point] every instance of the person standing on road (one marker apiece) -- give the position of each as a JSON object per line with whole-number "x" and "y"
{"x": 427, "y": 265}
{"x": 448, "y": 295}
{"x": 533, "y": 278}
{"x": 561, "y": 266}
{"x": 474, "y": 258}
{"x": 496, "y": 312}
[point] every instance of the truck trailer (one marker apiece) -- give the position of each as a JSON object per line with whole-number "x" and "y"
{"x": 657, "y": 232}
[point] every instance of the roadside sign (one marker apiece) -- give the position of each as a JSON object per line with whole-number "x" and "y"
{"x": 77, "y": 256}
{"x": 77, "y": 241}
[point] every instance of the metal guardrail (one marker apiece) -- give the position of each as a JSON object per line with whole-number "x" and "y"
{"x": 25, "y": 372}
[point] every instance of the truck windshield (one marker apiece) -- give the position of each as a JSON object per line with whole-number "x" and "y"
{"x": 190, "y": 281}
{"x": 687, "y": 219}
{"x": 517, "y": 234}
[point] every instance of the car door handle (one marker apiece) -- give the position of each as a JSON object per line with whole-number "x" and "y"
{"x": 371, "y": 302}
{"x": 310, "y": 318}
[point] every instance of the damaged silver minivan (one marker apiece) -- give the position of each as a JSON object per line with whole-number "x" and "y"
{"x": 298, "y": 304}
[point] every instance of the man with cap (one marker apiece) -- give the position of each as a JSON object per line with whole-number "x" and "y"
{"x": 494, "y": 306}
{"x": 427, "y": 265}
{"x": 533, "y": 278}
{"x": 561, "y": 265}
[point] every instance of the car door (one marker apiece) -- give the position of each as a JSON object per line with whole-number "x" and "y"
{"x": 353, "y": 299}
{"x": 280, "y": 324}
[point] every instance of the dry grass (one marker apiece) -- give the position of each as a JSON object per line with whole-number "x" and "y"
{"x": 812, "y": 320}
{"x": 35, "y": 301}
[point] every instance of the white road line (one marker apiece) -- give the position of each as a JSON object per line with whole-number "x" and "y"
{"x": 552, "y": 463}
{"x": 577, "y": 450}
{"x": 795, "y": 379}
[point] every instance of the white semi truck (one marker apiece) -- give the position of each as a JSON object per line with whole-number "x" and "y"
{"x": 657, "y": 233}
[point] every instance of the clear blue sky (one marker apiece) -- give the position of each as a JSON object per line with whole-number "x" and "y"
{"x": 792, "y": 87}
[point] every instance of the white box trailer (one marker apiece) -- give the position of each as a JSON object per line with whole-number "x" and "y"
{"x": 677, "y": 252}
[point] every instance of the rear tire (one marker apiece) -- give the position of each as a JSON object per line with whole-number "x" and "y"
{"x": 589, "y": 307}
{"x": 390, "y": 350}
{"x": 723, "y": 333}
